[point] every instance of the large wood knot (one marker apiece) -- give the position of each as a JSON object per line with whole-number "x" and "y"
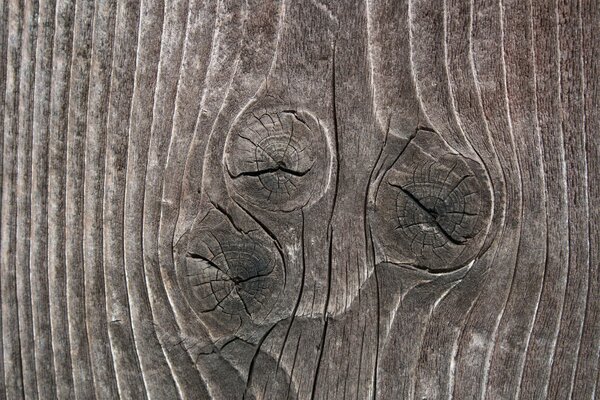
{"x": 432, "y": 206}
{"x": 277, "y": 158}
{"x": 234, "y": 277}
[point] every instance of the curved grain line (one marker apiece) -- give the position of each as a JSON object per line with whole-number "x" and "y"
{"x": 206, "y": 119}
{"x": 500, "y": 217}
{"x": 519, "y": 312}
{"x": 102, "y": 43}
{"x": 81, "y": 357}
{"x": 571, "y": 324}
{"x": 588, "y": 358}
{"x": 489, "y": 358}
{"x": 186, "y": 377}
{"x": 586, "y": 196}
{"x": 568, "y": 207}
{"x": 462, "y": 125}
{"x": 40, "y": 299}
{"x": 419, "y": 388}
{"x": 454, "y": 352}
{"x": 454, "y": 300}
{"x": 120, "y": 331}
{"x": 198, "y": 37}
{"x": 60, "y": 94}
{"x": 10, "y": 318}
{"x": 540, "y": 346}
{"x": 455, "y": 123}
{"x": 566, "y": 197}
{"x": 452, "y": 101}
{"x": 545, "y": 200}
{"x": 22, "y": 200}
{"x": 156, "y": 373}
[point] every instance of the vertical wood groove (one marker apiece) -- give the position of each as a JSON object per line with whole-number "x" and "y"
{"x": 44, "y": 368}
{"x": 13, "y": 374}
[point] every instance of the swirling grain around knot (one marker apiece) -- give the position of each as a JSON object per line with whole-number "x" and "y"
{"x": 276, "y": 158}
{"x": 432, "y": 206}
{"x": 232, "y": 279}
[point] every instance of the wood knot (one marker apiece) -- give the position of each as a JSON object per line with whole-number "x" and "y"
{"x": 277, "y": 158}
{"x": 234, "y": 277}
{"x": 432, "y": 206}
{"x": 232, "y": 274}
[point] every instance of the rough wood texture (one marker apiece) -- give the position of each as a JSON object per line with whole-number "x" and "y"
{"x": 300, "y": 199}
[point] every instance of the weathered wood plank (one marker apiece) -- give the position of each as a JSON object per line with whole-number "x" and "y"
{"x": 278, "y": 199}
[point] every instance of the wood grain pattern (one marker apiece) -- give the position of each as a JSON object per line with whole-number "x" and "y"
{"x": 312, "y": 199}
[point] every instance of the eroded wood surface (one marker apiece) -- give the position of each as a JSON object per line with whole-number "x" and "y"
{"x": 300, "y": 199}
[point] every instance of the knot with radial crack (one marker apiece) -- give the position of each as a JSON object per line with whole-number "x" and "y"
{"x": 233, "y": 278}
{"x": 432, "y": 206}
{"x": 277, "y": 158}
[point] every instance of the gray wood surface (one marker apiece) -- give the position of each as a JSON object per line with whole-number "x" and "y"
{"x": 300, "y": 199}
